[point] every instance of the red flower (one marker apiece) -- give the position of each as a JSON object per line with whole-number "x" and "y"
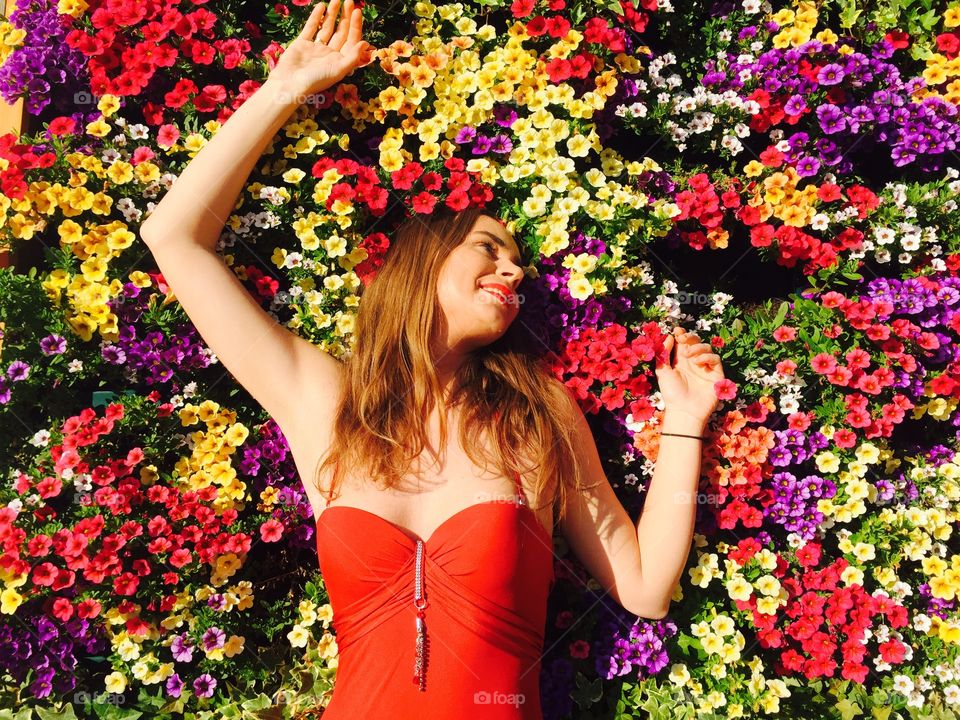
{"x": 125, "y": 584}
{"x": 892, "y": 651}
{"x": 211, "y": 97}
{"x": 44, "y": 574}
{"x": 62, "y": 126}
{"x": 558, "y": 69}
{"x": 424, "y": 203}
{"x": 823, "y": 363}
{"x": 809, "y": 555}
{"x": 458, "y": 200}
{"x": 88, "y": 609}
{"x": 557, "y": 26}
{"x": 62, "y": 609}
{"x": 521, "y": 8}
{"x": 537, "y": 26}
{"x": 784, "y": 333}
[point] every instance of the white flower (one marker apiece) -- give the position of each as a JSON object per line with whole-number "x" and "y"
{"x": 40, "y": 438}
{"x": 902, "y": 684}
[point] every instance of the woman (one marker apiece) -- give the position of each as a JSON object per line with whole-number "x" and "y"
{"x": 438, "y": 560}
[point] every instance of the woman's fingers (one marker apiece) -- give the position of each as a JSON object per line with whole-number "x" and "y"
{"x": 340, "y": 36}
{"x": 313, "y": 22}
{"x": 356, "y": 28}
{"x": 328, "y": 22}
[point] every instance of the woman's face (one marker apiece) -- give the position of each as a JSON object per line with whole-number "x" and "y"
{"x": 477, "y": 287}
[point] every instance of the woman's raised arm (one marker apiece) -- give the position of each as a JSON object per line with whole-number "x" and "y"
{"x": 286, "y": 374}
{"x": 196, "y": 208}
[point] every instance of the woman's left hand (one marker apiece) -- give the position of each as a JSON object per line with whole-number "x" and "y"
{"x": 688, "y": 385}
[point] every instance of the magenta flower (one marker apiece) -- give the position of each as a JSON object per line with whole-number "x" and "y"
{"x": 204, "y": 685}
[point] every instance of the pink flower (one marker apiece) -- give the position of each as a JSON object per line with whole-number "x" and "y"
{"x": 858, "y": 358}
{"x": 844, "y": 438}
{"x": 784, "y": 333}
{"x": 786, "y": 367}
{"x": 725, "y": 389}
{"x": 167, "y": 135}
{"x": 141, "y": 154}
{"x": 271, "y": 531}
{"x": 823, "y": 364}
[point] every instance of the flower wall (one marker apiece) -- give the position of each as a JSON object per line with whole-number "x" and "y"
{"x": 781, "y": 178}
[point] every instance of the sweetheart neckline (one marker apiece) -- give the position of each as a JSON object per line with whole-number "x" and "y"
{"x": 413, "y": 537}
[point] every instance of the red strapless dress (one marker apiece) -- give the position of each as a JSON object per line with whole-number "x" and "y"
{"x": 473, "y": 594}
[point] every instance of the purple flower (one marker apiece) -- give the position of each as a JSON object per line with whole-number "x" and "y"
{"x": 174, "y": 685}
{"x": 795, "y": 105}
{"x": 53, "y": 345}
{"x": 182, "y": 649}
{"x": 113, "y": 354}
{"x": 831, "y": 119}
{"x": 501, "y": 144}
{"x": 18, "y": 370}
{"x": 482, "y": 145}
{"x": 808, "y": 166}
{"x": 4, "y": 392}
{"x": 213, "y": 639}
{"x": 204, "y": 685}
{"x": 831, "y": 74}
{"x": 466, "y": 134}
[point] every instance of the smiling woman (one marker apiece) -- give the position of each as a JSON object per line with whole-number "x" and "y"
{"x": 437, "y": 348}
{"x": 431, "y": 335}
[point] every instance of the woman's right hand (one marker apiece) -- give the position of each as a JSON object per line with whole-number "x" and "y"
{"x": 318, "y": 57}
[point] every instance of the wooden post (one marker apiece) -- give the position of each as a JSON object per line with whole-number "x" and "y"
{"x": 11, "y": 120}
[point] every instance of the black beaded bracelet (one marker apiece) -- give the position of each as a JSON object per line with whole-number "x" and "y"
{"x": 695, "y": 437}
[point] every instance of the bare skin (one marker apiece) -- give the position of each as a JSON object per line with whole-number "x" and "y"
{"x": 182, "y": 234}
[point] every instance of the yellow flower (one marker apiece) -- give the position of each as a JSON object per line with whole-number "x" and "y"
{"x": 98, "y": 128}
{"x": 108, "y": 105}
{"x": 115, "y": 682}
{"x": 951, "y": 18}
{"x": 852, "y": 576}
{"x": 578, "y": 146}
{"x": 579, "y": 287}
{"x": 767, "y": 585}
{"x": 294, "y": 176}
{"x": 712, "y": 643}
{"x": 298, "y": 636}
{"x": 827, "y": 462}
{"x": 723, "y": 625}
{"x": 74, "y": 8}
{"x": 10, "y": 600}
{"x": 768, "y": 605}
{"x": 738, "y": 588}
{"x": 679, "y": 675}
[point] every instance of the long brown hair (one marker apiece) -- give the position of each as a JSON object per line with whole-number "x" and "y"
{"x": 390, "y": 384}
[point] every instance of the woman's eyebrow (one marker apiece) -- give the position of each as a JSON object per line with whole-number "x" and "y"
{"x": 501, "y": 243}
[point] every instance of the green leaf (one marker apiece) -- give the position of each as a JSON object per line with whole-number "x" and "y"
{"x": 848, "y": 710}
{"x": 781, "y": 314}
{"x": 62, "y": 714}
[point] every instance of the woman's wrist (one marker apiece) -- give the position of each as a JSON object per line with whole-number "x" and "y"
{"x": 284, "y": 92}
{"x": 682, "y": 421}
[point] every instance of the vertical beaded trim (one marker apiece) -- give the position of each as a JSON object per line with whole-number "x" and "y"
{"x": 419, "y": 602}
